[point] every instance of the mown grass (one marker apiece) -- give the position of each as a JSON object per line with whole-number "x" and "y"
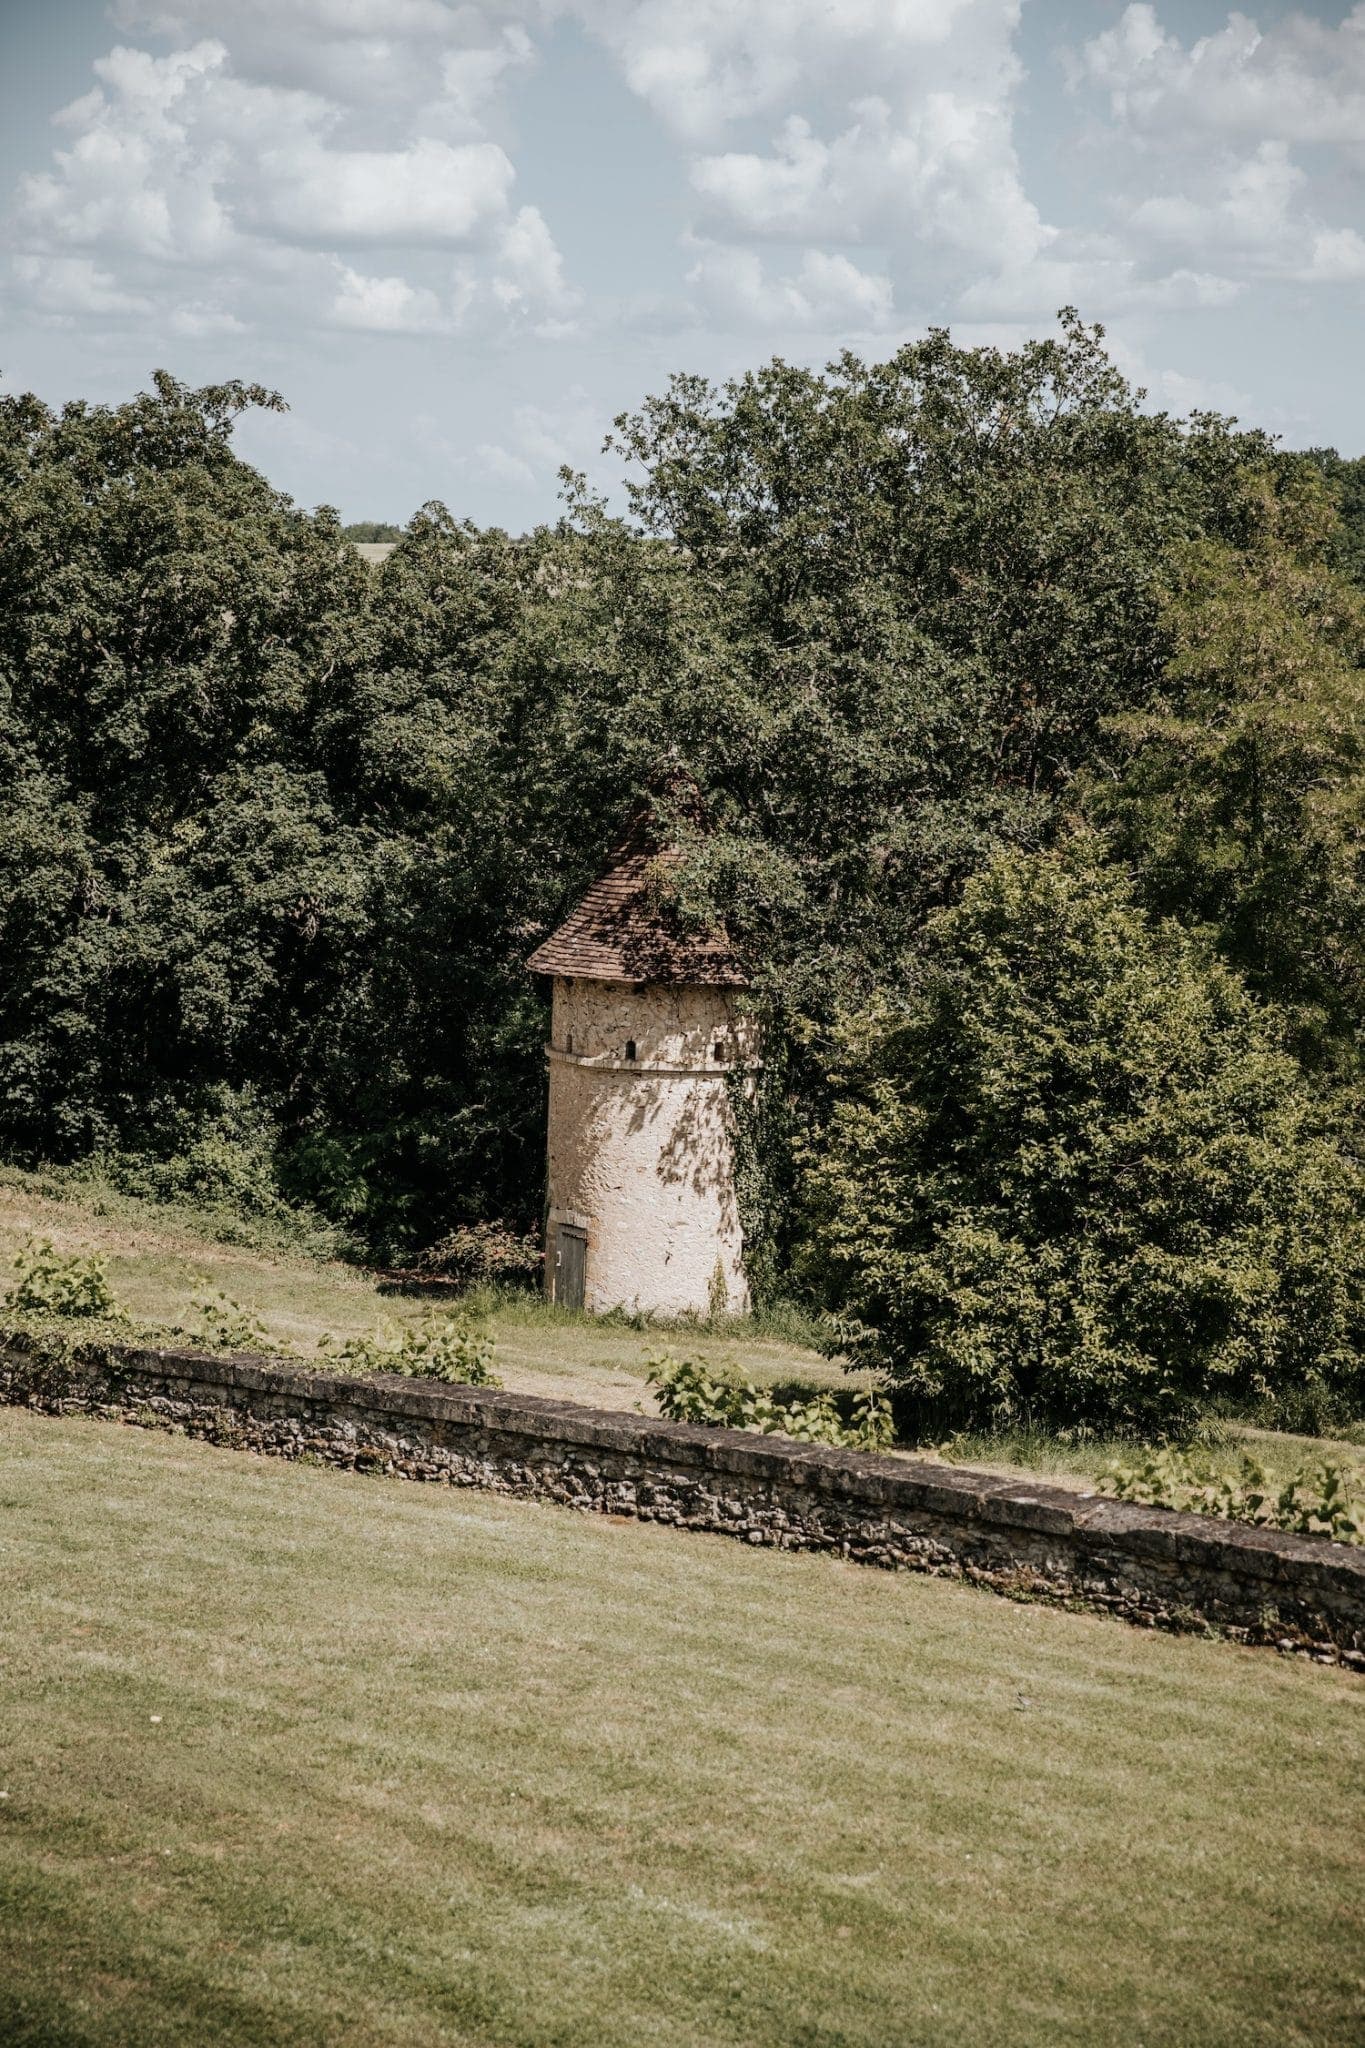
{"x": 294, "y": 1757}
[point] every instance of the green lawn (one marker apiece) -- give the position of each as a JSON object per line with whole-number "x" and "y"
{"x": 294, "y": 1757}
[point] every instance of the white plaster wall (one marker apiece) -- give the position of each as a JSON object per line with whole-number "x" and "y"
{"x": 641, "y": 1152}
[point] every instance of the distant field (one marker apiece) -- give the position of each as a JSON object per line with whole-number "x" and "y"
{"x": 294, "y": 1757}
{"x": 159, "y": 1258}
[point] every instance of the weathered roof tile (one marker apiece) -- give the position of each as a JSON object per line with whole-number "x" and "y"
{"x": 619, "y": 932}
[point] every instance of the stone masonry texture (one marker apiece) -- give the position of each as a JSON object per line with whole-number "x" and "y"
{"x": 641, "y": 1149}
{"x": 1151, "y": 1566}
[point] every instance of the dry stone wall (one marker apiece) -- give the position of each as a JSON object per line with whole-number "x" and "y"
{"x": 1149, "y": 1565}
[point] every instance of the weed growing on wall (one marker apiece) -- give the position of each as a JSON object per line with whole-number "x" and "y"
{"x": 448, "y": 1350}
{"x": 1318, "y": 1502}
{"x": 222, "y": 1324}
{"x": 690, "y": 1390}
{"x": 54, "y": 1283}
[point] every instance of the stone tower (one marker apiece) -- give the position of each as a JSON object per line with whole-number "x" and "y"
{"x": 645, "y": 1038}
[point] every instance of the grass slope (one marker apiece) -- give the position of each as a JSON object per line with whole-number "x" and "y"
{"x": 160, "y": 1257}
{"x": 292, "y": 1757}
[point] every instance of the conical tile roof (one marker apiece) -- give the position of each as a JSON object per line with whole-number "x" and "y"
{"x": 619, "y": 932}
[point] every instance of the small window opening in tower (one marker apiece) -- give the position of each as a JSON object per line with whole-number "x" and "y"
{"x": 718, "y": 1053}
{"x": 630, "y": 1048}
{"x": 569, "y": 1047}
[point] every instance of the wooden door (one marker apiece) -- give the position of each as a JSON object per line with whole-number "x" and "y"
{"x": 571, "y": 1264}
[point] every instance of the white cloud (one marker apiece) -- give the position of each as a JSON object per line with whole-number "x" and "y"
{"x": 940, "y": 172}
{"x": 1180, "y": 289}
{"x": 503, "y": 465}
{"x": 1297, "y": 81}
{"x": 895, "y": 132}
{"x": 196, "y": 322}
{"x": 529, "y": 275}
{"x": 432, "y": 193}
{"x": 1251, "y": 216}
{"x": 196, "y": 181}
{"x": 1177, "y": 391}
{"x": 471, "y": 78}
{"x": 520, "y": 284}
{"x": 1201, "y": 141}
{"x": 1096, "y": 274}
{"x": 1335, "y": 256}
{"x": 824, "y": 292}
{"x": 370, "y": 58}
{"x": 74, "y": 285}
{"x": 385, "y": 305}
{"x": 1248, "y": 211}
{"x": 177, "y": 155}
{"x": 537, "y": 442}
{"x": 710, "y": 62}
{"x": 769, "y": 194}
{"x": 134, "y": 175}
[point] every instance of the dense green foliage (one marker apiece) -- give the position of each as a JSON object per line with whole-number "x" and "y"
{"x": 53, "y": 1283}
{"x": 692, "y": 1390}
{"x": 1346, "y": 480}
{"x": 371, "y": 530}
{"x": 1069, "y": 1177}
{"x": 282, "y": 829}
{"x": 1237, "y": 797}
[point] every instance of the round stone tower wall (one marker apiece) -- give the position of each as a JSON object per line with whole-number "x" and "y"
{"x": 641, "y": 1146}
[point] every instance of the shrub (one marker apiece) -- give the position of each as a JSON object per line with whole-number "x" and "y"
{"x": 690, "y": 1391}
{"x": 223, "y": 1157}
{"x": 1314, "y": 1503}
{"x": 1070, "y": 1178}
{"x": 52, "y": 1283}
{"x": 483, "y": 1255}
{"x": 440, "y": 1350}
{"x": 222, "y": 1324}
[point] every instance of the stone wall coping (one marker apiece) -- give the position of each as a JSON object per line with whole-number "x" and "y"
{"x": 884, "y": 1485}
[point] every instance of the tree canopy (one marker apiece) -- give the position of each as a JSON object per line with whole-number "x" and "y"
{"x": 282, "y": 830}
{"x": 1069, "y": 1176}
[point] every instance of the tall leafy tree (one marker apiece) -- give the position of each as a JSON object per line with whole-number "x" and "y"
{"x": 1237, "y": 798}
{"x": 170, "y": 873}
{"x": 284, "y": 828}
{"x": 1070, "y": 1177}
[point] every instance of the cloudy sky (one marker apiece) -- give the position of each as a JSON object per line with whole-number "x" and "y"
{"x": 460, "y": 237}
